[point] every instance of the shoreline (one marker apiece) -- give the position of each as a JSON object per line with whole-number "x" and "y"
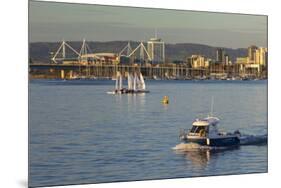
{"x": 109, "y": 79}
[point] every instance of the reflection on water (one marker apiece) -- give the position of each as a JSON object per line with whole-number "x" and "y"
{"x": 201, "y": 157}
{"x": 198, "y": 158}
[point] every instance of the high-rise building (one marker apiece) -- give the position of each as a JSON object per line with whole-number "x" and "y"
{"x": 256, "y": 55}
{"x": 252, "y": 53}
{"x": 226, "y": 59}
{"x": 261, "y": 56}
{"x": 198, "y": 61}
{"x": 220, "y": 55}
{"x": 156, "y": 50}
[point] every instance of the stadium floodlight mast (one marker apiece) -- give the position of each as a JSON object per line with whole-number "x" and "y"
{"x": 63, "y": 49}
{"x": 85, "y": 49}
{"x": 127, "y": 48}
{"x": 142, "y": 50}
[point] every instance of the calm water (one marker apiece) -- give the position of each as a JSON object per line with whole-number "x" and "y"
{"x": 80, "y": 134}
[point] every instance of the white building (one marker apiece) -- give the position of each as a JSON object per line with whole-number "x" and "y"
{"x": 156, "y": 50}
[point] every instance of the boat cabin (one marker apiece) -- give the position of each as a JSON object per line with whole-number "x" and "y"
{"x": 205, "y": 132}
{"x": 204, "y": 127}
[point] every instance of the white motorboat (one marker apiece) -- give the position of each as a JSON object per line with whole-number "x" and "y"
{"x": 205, "y": 132}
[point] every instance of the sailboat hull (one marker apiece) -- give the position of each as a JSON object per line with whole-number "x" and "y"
{"x": 127, "y": 92}
{"x": 137, "y": 91}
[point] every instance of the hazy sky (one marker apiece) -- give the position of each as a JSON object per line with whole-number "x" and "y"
{"x": 51, "y": 21}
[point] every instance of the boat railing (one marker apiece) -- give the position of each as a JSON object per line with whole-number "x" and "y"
{"x": 183, "y": 133}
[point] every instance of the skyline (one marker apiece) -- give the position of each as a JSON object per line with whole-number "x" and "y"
{"x": 73, "y": 22}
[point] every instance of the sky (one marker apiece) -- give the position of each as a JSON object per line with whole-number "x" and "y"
{"x": 52, "y": 22}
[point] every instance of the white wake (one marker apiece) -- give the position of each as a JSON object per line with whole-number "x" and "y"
{"x": 244, "y": 140}
{"x": 253, "y": 139}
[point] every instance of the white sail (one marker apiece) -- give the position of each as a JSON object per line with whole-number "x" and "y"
{"x": 130, "y": 81}
{"x": 142, "y": 82}
{"x": 138, "y": 82}
{"x": 120, "y": 82}
{"x": 135, "y": 82}
{"x": 117, "y": 80}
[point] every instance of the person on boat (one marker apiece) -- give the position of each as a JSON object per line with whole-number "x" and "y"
{"x": 202, "y": 133}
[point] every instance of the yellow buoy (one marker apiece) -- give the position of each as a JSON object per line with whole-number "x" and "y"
{"x": 165, "y": 100}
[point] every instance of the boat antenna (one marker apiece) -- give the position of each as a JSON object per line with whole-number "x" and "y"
{"x": 212, "y": 106}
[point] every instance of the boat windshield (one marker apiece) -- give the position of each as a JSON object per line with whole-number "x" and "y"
{"x": 197, "y": 129}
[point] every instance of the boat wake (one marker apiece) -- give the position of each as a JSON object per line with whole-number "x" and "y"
{"x": 191, "y": 147}
{"x": 253, "y": 139}
{"x": 244, "y": 140}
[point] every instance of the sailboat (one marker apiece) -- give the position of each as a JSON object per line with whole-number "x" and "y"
{"x": 136, "y": 84}
{"x": 118, "y": 85}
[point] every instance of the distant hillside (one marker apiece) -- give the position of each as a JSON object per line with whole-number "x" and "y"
{"x": 40, "y": 51}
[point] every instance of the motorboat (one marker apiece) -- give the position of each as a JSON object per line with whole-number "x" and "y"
{"x": 205, "y": 132}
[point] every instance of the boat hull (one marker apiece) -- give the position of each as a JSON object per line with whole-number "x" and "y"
{"x": 127, "y": 92}
{"x": 137, "y": 91}
{"x": 216, "y": 142}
